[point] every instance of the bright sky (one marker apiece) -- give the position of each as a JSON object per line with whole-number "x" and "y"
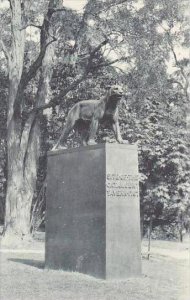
{"x": 79, "y": 4}
{"x": 4, "y": 4}
{"x": 75, "y": 4}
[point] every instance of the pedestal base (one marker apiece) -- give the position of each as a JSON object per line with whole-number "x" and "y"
{"x": 93, "y": 219}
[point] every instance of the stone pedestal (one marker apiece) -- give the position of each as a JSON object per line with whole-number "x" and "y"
{"x": 93, "y": 219}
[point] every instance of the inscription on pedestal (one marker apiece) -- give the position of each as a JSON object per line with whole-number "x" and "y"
{"x": 122, "y": 185}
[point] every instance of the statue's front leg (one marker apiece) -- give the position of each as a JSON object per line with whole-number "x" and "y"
{"x": 117, "y": 133}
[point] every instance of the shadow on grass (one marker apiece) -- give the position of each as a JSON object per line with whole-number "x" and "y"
{"x": 30, "y": 262}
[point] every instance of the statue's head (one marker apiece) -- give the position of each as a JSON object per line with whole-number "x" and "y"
{"x": 116, "y": 92}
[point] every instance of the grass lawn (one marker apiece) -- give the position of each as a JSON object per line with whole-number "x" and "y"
{"x": 166, "y": 276}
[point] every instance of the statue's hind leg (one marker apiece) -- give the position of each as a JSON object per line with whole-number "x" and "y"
{"x": 84, "y": 137}
{"x": 92, "y": 132}
{"x": 71, "y": 120}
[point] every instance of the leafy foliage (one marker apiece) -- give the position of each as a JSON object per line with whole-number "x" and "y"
{"x": 142, "y": 40}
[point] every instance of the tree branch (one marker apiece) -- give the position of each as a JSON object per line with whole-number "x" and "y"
{"x": 124, "y": 73}
{"x": 185, "y": 88}
{"x": 114, "y": 4}
{"x": 112, "y": 62}
{"x": 98, "y": 47}
{"x": 44, "y": 43}
{"x": 57, "y": 100}
{"x": 78, "y": 33}
{"x": 176, "y": 81}
{"x": 26, "y": 77}
{"x": 5, "y": 51}
{"x": 92, "y": 54}
{"x": 55, "y": 10}
{"x": 31, "y": 25}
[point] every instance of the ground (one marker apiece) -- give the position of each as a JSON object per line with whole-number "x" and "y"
{"x": 166, "y": 276}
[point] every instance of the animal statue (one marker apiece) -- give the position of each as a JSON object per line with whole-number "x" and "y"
{"x": 86, "y": 115}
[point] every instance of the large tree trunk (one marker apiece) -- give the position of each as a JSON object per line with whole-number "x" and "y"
{"x": 15, "y": 187}
{"x": 23, "y": 161}
{"x": 22, "y": 169}
{"x": 23, "y": 140}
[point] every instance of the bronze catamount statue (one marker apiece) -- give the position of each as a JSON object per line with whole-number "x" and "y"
{"x": 91, "y": 113}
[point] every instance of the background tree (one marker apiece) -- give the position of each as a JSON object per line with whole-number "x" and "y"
{"x": 76, "y": 56}
{"x": 23, "y": 117}
{"x": 22, "y": 130}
